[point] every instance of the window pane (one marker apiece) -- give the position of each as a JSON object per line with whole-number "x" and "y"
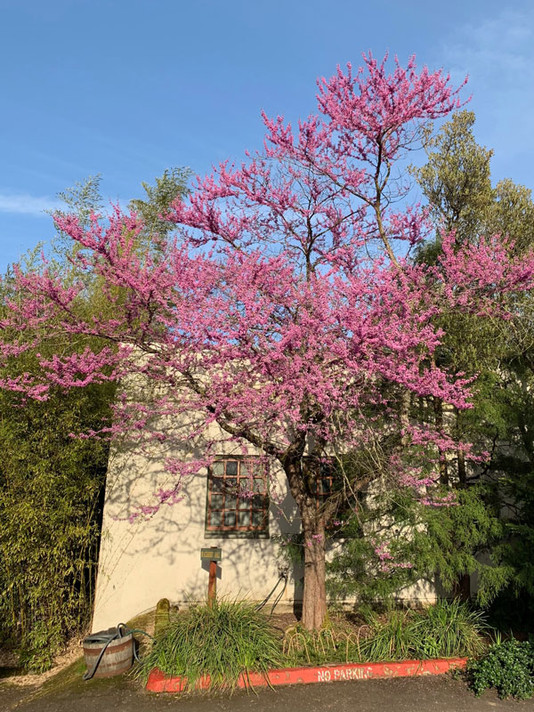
{"x": 216, "y": 501}
{"x": 231, "y": 467}
{"x": 245, "y": 488}
{"x": 216, "y": 519}
{"x": 244, "y": 504}
{"x": 324, "y": 486}
{"x": 259, "y": 502}
{"x": 231, "y": 502}
{"x": 217, "y": 484}
{"x": 218, "y": 468}
{"x": 231, "y": 484}
{"x": 257, "y": 519}
{"x": 229, "y": 519}
{"x": 259, "y": 484}
{"x": 244, "y": 519}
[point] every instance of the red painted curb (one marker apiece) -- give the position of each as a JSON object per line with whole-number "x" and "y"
{"x": 158, "y": 682}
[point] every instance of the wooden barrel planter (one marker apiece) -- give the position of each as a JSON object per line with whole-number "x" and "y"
{"x": 114, "y": 649}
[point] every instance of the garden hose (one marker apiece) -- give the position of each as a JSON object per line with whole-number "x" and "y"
{"x": 107, "y": 637}
{"x": 282, "y": 577}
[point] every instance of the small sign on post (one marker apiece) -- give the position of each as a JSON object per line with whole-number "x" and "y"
{"x": 213, "y": 554}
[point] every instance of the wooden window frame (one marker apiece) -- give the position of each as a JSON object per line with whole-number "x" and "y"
{"x": 223, "y": 483}
{"x": 326, "y": 483}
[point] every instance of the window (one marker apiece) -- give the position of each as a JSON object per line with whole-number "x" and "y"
{"x": 326, "y": 483}
{"x": 238, "y": 501}
{"x": 328, "y": 487}
{"x": 324, "y": 476}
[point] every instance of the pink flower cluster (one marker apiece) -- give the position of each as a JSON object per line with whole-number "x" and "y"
{"x": 283, "y": 310}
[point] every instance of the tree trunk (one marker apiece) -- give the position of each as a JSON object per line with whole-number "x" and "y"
{"x": 313, "y": 530}
{"x": 314, "y": 596}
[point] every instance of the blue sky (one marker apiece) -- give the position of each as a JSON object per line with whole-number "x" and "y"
{"x": 127, "y": 88}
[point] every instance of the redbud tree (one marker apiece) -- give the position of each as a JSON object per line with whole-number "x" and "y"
{"x": 286, "y": 309}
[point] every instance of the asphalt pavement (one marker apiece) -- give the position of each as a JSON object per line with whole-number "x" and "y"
{"x": 424, "y": 694}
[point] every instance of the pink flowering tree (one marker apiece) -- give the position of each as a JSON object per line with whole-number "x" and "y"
{"x": 287, "y": 309}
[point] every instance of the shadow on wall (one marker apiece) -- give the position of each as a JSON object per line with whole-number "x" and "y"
{"x": 157, "y": 555}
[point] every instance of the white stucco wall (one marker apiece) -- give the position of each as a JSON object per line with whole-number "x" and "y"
{"x": 156, "y": 557}
{"x": 159, "y": 556}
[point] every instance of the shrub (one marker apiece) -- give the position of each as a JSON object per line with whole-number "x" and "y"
{"x": 446, "y": 629}
{"x": 224, "y": 642}
{"x": 389, "y": 637}
{"x": 508, "y": 667}
{"x": 51, "y": 488}
{"x": 233, "y": 638}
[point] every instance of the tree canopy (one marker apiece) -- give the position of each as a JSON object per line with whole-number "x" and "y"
{"x": 287, "y": 308}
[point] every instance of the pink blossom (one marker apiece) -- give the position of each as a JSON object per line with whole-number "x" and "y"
{"x": 285, "y": 310}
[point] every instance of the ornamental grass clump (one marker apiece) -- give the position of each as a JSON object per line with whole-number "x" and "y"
{"x": 447, "y": 629}
{"x": 389, "y": 637}
{"x": 221, "y": 642}
{"x": 327, "y": 645}
{"x": 444, "y": 630}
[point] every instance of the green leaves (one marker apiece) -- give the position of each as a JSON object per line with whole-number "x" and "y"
{"x": 426, "y": 541}
{"x": 224, "y": 642}
{"x": 508, "y": 667}
{"x": 50, "y": 492}
{"x": 447, "y": 629}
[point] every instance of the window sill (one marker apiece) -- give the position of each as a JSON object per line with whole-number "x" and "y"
{"x": 236, "y": 535}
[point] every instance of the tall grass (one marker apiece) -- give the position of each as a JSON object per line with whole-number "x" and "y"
{"x": 317, "y": 646}
{"x": 233, "y": 639}
{"x": 223, "y": 642}
{"x": 447, "y": 629}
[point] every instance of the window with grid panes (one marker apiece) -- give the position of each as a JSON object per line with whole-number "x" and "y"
{"x": 327, "y": 482}
{"x": 238, "y": 501}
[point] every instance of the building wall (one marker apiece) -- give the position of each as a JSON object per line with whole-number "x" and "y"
{"x": 158, "y": 556}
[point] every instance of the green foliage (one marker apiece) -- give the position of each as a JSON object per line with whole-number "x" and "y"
{"x": 456, "y": 180}
{"x": 159, "y": 198}
{"x": 447, "y": 629}
{"x": 82, "y": 199}
{"x": 224, "y": 641}
{"x": 51, "y": 488}
{"x": 233, "y": 639}
{"x": 52, "y": 484}
{"x": 423, "y": 541}
{"x": 390, "y": 637}
{"x": 306, "y": 647}
{"x": 508, "y": 667}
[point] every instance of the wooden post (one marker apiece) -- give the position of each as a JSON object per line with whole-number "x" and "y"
{"x": 212, "y": 554}
{"x": 212, "y": 583}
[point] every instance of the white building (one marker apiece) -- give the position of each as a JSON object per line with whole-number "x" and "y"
{"x": 158, "y": 555}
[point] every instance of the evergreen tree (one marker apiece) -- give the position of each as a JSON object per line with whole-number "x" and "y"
{"x": 457, "y": 183}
